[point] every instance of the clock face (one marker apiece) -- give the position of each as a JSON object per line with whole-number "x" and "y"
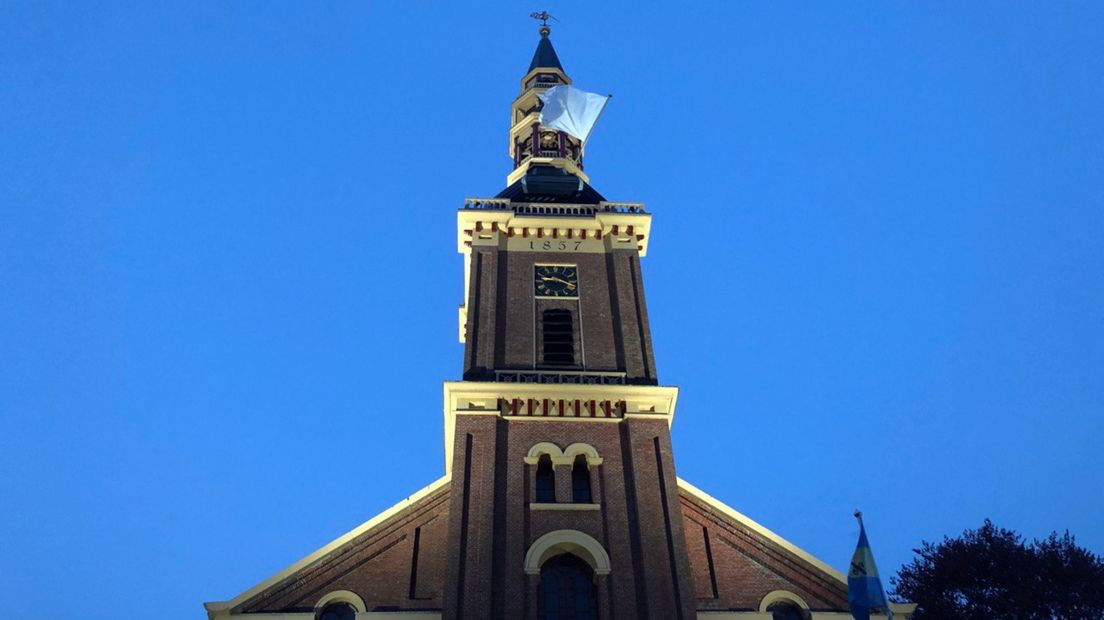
{"x": 556, "y": 281}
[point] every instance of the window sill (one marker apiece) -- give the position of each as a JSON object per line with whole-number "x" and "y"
{"x": 573, "y": 507}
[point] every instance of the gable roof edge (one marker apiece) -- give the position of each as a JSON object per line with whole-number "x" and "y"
{"x": 758, "y": 528}
{"x": 215, "y": 607}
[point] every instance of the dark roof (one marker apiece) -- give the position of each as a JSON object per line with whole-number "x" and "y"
{"x": 545, "y": 56}
{"x": 551, "y": 184}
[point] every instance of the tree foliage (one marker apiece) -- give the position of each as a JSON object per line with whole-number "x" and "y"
{"x": 992, "y": 573}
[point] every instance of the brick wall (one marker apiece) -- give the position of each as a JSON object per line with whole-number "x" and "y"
{"x": 610, "y": 314}
{"x": 397, "y": 564}
{"x": 734, "y": 567}
{"x": 639, "y": 522}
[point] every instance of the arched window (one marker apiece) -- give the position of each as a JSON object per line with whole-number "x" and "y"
{"x": 546, "y": 481}
{"x": 559, "y": 338}
{"x": 580, "y": 481}
{"x": 567, "y": 590}
{"x": 338, "y": 611}
{"x": 785, "y": 611}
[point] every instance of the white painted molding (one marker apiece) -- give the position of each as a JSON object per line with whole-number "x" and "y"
{"x": 542, "y": 448}
{"x": 566, "y": 507}
{"x": 586, "y": 450}
{"x": 342, "y": 596}
{"x": 782, "y": 596}
{"x": 574, "y": 542}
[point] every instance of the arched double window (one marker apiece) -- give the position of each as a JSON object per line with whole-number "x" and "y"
{"x": 580, "y": 458}
{"x": 546, "y": 480}
{"x": 567, "y": 590}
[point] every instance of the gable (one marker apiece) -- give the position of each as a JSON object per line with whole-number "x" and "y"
{"x": 393, "y": 562}
{"x": 736, "y": 562}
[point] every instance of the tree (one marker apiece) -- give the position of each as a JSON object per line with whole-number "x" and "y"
{"x": 991, "y": 573}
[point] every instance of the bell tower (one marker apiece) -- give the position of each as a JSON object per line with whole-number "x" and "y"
{"x": 559, "y": 498}
{"x": 529, "y": 146}
{"x": 553, "y": 288}
{"x": 557, "y": 440}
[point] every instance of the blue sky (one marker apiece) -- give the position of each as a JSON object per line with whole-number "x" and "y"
{"x": 230, "y": 282}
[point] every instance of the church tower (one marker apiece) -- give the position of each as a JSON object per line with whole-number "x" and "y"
{"x": 558, "y": 437}
{"x": 560, "y": 498}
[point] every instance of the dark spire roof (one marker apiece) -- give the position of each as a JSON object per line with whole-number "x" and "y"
{"x": 551, "y": 184}
{"x": 545, "y": 57}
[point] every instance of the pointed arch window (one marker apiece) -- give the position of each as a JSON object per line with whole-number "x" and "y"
{"x": 559, "y": 337}
{"x": 580, "y": 481}
{"x": 546, "y": 481}
{"x": 567, "y": 590}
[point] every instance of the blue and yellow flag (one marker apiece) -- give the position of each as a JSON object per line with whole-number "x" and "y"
{"x": 864, "y": 587}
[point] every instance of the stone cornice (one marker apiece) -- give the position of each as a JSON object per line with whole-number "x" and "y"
{"x": 622, "y": 225}
{"x": 541, "y": 402}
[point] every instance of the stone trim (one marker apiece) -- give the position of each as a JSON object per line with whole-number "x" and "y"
{"x": 500, "y": 399}
{"x": 342, "y": 596}
{"x": 574, "y": 542}
{"x": 360, "y": 616}
{"x": 901, "y": 611}
{"x": 559, "y": 506}
{"x": 563, "y": 457}
{"x": 782, "y": 596}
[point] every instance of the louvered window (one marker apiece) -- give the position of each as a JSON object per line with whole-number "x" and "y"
{"x": 559, "y": 338}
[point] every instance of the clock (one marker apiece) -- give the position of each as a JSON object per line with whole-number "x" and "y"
{"x": 556, "y": 281}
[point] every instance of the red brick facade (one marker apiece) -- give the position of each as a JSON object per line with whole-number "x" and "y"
{"x": 411, "y": 562}
{"x": 734, "y": 567}
{"x": 461, "y": 550}
{"x": 398, "y": 564}
{"x": 502, "y": 329}
{"x": 638, "y": 522}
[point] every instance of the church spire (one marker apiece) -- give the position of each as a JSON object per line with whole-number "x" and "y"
{"x": 548, "y": 164}
{"x": 545, "y": 56}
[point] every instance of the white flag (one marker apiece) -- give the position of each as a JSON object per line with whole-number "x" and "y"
{"x": 571, "y": 110}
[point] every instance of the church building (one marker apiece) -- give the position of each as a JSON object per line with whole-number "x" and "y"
{"x": 559, "y": 498}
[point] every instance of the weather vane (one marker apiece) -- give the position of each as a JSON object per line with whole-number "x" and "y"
{"x": 544, "y": 16}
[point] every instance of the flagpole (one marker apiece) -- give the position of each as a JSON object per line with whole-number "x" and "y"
{"x": 595, "y": 123}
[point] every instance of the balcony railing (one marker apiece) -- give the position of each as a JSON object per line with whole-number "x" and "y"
{"x": 554, "y": 210}
{"x": 549, "y": 153}
{"x": 580, "y": 377}
{"x": 542, "y": 83}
